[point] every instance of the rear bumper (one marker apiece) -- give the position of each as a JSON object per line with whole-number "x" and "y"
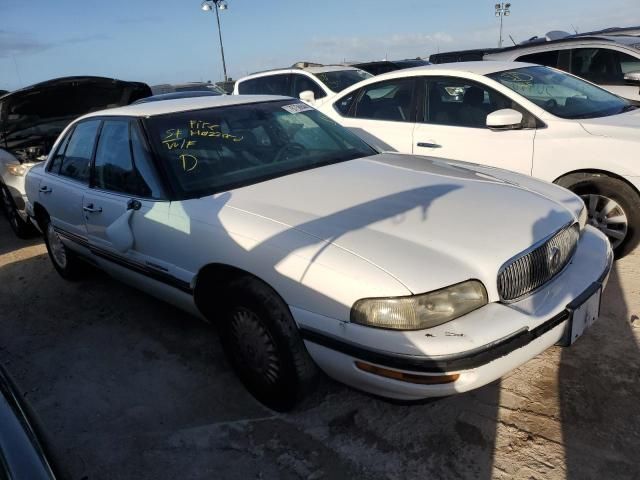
{"x": 537, "y": 324}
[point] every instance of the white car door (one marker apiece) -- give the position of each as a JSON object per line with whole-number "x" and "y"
{"x": 67, "y": 177}
{"x": 124, "y": 210}
{"x": 383, "y": 114}
{"x": 453, "y": 126}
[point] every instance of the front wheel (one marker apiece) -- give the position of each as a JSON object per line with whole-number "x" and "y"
{"x": 263, "y": 344}
{"x": 21, "y": 228}
{"x": 612, "y": 206}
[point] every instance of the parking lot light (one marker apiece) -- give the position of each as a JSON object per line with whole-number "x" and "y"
{"x": 502, "y": 10}
{"x": 209, "y": 5}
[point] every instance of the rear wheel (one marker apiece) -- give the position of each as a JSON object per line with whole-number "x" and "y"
{"x": 262, "y": 343}
{"x": 21, "y": 228}
{"x": 612, "y": 206}
{"x": 64, "y": 260}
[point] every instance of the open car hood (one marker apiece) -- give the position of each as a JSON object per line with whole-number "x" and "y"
{"x": 32, "y": 118}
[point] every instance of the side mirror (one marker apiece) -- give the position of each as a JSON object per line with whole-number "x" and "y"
{"x": 307, "y": 96}
{"x": 505, "y": 119}
{"x": 632, "y": 78}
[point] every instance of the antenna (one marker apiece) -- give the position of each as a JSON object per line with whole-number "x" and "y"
{"x": 514, "y": 42}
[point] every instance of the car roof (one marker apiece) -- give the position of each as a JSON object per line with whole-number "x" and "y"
{"x": 294, "y": 69}
{"x": 150, "y": 109}
{"x": 477, "y": 67}
{"x": 626, "y": 40}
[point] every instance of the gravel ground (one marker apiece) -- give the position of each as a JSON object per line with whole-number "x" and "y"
{"x": 128, "y": 387}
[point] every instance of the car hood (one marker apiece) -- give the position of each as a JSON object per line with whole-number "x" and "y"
{"x": 34, "y": 116}
{"x": 623, "y": 126}
{"x": 426, "y": 222}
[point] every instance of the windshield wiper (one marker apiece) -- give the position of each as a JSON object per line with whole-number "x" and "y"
{"x": 628, "y": 108}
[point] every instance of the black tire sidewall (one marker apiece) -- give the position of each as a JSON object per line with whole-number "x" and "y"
{"x": 277, "y": 320}
{"x": 624, "y": 195}
{"x": 18, "y": 225}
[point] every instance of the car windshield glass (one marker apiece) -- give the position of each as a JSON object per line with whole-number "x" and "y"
{"x": 216, "y": 149}
{"x": 338, "y": 80}
{"x": 560, "y": 94}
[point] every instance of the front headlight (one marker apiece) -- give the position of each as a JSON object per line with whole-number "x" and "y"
{"x": 417, "y": 312}
{"x": 582, "y": 217}
{"x": 16, "y": 169}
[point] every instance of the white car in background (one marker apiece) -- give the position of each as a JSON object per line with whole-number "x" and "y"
{"x": 403, "y": 276}
{"x": 310, "y": 82}
{"x": 522, "y": 117}
{"x": 611, "y": 61}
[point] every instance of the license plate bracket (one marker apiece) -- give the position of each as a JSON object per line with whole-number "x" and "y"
{"x": 583, "y": 312}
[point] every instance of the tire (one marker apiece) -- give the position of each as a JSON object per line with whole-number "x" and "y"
{"x": 64, "y": 260}
{"x": 613, "y": 207}
{"x": 21, "y": 228}
{"x": 264, "y": 347}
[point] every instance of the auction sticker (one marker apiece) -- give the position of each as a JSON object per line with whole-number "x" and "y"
{"x": 297, "y": 107}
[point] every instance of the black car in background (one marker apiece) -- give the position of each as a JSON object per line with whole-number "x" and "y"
{"x": 178, "y": 95}
{"x": 384, "y": 66}
{"x": 31, "y": 120}
{"x": 23, "y": 453}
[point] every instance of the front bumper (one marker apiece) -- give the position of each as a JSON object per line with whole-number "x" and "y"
{"x": 479, "y": 347}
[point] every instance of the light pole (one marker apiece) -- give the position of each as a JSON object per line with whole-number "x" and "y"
{"x": 502, "y": 10}
{"x": 216, "y": 5}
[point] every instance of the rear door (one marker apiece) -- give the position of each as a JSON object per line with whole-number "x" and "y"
{"x": 383, "y": 114}
{"x": 453, "y": 115}
{"x": 125, "y": 209}
{"x": 67, "y": 179}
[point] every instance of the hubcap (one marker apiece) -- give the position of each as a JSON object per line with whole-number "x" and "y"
{"x": 608, "y": 216}
{"x": 58, "y": 251}
{"x": 255, "y": 347}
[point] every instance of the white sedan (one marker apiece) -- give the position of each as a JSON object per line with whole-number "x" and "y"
{"x": 403, "y": 276}
{"x": 522, "y": 117}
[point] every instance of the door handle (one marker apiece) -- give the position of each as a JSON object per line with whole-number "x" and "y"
{"x": 428, "y": 145}
{"x": 45, "y": 189}
{"x": 89, "y": 208}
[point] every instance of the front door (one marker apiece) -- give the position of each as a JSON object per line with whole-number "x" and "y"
{"x": 453, "y": 126}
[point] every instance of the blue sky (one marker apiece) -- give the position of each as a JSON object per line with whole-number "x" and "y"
{"x": 173, "y": 40}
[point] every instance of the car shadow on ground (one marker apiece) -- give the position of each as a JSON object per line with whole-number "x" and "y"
{"x": 598, "y": 393}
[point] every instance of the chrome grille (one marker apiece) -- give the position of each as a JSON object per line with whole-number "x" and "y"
{"x": 533, "y": 268}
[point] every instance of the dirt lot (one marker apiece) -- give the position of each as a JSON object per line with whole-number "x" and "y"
{"x": 128, "y": 387}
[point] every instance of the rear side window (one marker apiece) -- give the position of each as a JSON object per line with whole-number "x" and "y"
{"x": 56, "y": 162}
{"x": 268, "y": 85}
{"x": 390, "y": 100}
{"x": 77, "y": 156}
{"x": 548, "y": 58}
{"x": 114, "y": 168}
{"x": 343, "y": 106}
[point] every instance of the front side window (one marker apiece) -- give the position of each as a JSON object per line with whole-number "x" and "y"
{"x": 390, "y": 100}
{"x": 56, "y": 161}
{"x": 560, "y": 94}
{"x": 217, "y": 149}
{"x": 268, "y": 85}
{"x": 113, "y": 167}
{"x": 338, "y": 80}
{"x": 302, "y": 83}
{"x": 463, "y": 103}
{"x": 77, "y": 156}
{"x": 602, "y": 65}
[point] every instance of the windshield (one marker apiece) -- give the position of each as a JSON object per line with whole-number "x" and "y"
{"x": 560, "y": 94}
{"x": 338, "y": 80}
{"x": 217, "y": 149}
